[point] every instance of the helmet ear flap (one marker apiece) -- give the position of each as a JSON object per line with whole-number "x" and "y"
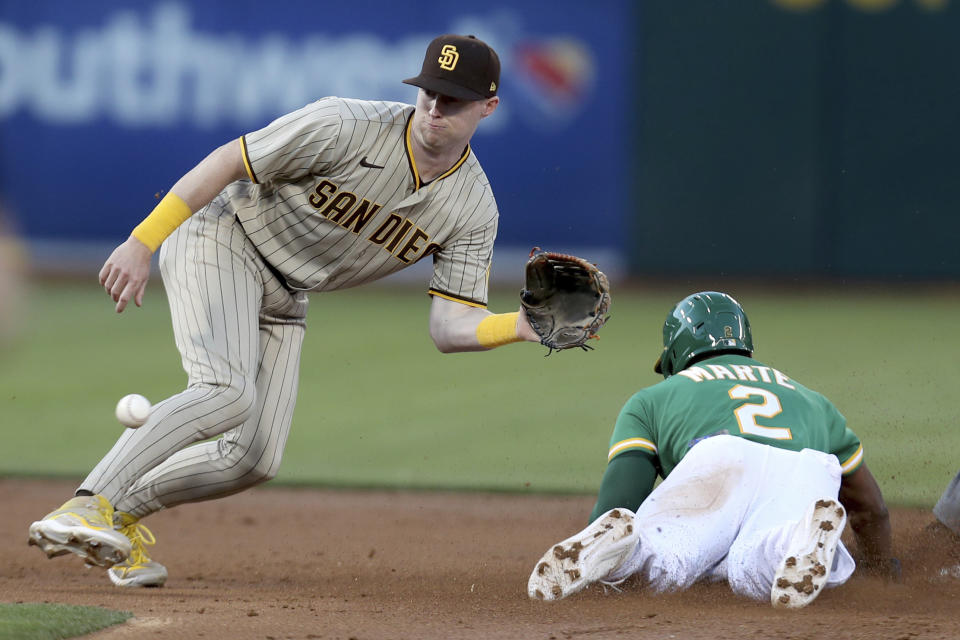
{"x": 668, "y": 357}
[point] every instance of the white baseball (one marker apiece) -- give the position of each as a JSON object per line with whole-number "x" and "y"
{"x": 133, "y": 410}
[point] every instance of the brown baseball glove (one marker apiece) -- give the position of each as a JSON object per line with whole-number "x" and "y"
{"x": 566, "y": 299}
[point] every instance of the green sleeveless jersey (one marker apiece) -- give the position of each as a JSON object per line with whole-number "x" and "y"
{"x": 736, "y": 395}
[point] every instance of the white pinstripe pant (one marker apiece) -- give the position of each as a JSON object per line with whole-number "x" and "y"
{"x": 239, "y": 332}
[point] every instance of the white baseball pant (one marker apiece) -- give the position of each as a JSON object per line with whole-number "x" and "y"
{"x": 726, "y": 512}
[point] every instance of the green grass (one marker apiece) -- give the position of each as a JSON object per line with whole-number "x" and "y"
{"x": 379, "y": 406}
{"x": 54, "y": 621}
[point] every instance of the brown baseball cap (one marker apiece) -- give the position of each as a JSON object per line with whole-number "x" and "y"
{"x": 461, "y": 67}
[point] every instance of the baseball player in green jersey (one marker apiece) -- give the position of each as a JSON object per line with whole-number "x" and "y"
{"x": 337, "y": 194}
{"x": 760, "y": 476}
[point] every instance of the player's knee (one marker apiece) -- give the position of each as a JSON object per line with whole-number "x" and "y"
{"x": 253, "y": 470}
{"x": 263, "y": 473}
{"x": 224, "y": 407}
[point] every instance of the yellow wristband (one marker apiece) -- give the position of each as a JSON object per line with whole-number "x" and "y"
{"x": 498, "y": 329}
{"x": 166, "y": 216}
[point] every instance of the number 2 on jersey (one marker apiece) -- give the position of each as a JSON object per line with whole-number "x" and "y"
{"x": 747, "y": 412}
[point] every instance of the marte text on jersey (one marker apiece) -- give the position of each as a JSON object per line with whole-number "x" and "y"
{"x": 751, "y": 373}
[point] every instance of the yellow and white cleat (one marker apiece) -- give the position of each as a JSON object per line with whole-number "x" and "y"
{"x": 83, "y": 526}
{"x": 138, "y": 570}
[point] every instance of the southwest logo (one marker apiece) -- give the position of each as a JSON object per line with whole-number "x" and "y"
{"x": 448, "y": 57}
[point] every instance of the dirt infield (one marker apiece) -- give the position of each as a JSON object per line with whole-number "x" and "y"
{"x": 276, "y": 563}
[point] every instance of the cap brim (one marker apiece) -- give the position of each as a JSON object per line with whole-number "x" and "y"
{"x": 657, "y": 366}
{"x": 444, "y": 87}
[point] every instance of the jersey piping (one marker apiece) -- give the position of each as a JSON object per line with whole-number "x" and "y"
{"x": 450, "y": 296}
{"x": 641, "y": 444}
{"x": 853, "y": 461}
{"x": 246, "y": 160}
{"x": 417, "y": 182}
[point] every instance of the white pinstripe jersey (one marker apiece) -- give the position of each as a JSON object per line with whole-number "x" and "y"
{"x": 325, "y": 219}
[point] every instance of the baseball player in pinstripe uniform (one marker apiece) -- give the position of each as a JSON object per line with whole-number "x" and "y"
{"x": 943, "y": 533}
{"x": 759, "y": 475}
{"x": 337, "y": 194}
{"x": 947, "y": 509}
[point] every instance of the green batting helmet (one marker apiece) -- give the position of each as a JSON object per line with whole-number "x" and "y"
{"x": 702, "y": 323}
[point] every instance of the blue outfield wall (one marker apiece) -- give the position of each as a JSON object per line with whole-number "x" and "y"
{"x": 105, "y": 104}
{"x": 778, "y": 138}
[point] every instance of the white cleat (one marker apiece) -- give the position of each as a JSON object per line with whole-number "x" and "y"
{"x": 585, "y": 558}
{"x": 83, "y": 526}
{"x": 138, "y": 570}
{"x": 806, "y": 566}
{"x": 138, "y": 574}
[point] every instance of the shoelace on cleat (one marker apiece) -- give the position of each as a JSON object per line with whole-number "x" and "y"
{"x": 140, "y": 538}
{"x": 613, "y": 584}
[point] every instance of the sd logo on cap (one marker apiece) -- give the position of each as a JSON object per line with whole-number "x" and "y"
{"x": 462, "y": 67}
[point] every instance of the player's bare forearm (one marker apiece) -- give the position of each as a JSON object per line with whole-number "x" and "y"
{"x": 873, "y": 533}
{"x": 868, "y": 518}
{"x": 201, "y": 184}
{"x": 125, "y": 273}
{"x": 453, "y": 326}
{"x": 524, "y": 330}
